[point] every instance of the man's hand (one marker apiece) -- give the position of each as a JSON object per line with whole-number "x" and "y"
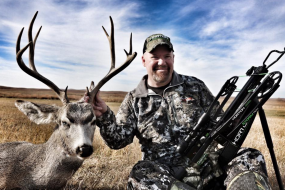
{"x": 99, "y": 106}
{"x": 200, "y": 176}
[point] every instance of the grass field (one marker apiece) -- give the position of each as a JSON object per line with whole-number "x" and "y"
{"x": 32, "y": 93}
{"x": 109, "y": 169}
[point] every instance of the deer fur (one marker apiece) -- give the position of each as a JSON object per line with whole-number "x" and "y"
{"x": 49, "y": 165}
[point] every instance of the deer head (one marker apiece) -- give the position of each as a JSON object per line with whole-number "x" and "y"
{"x": 75, "y": 121}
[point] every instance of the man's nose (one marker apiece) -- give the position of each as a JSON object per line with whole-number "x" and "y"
{"x": 161, "y": 61}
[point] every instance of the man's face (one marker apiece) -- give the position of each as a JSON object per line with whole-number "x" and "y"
{"x": 159, "y": 65}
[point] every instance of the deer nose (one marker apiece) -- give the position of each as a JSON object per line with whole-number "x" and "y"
{"x": 84, "y": 151}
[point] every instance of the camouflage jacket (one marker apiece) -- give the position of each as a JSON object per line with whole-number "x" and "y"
{"x": 158, "y": 122}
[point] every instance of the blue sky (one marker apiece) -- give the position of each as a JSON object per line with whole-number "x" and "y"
{"x": 213, "y": 40}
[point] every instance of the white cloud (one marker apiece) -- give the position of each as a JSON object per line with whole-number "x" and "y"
{"x": 71, "y": 42}
{"x": 234, "y": 36}
{"x": 72, "y": 49}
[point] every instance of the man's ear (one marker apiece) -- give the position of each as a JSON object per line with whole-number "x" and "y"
{"x": 38, "y": 113}
{"x": 143, "y": 61}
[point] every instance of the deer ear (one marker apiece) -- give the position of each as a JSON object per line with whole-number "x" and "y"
{"x": 38, "y": 113}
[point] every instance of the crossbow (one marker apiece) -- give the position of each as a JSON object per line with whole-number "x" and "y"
{"x": 233, "y": 125}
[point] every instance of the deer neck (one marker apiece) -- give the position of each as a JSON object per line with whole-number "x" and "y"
{"x": 56, "y": 162}
{"x": 57, "y": 147}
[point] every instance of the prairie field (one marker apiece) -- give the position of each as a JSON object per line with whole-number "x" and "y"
{"x": 109, "y": 169}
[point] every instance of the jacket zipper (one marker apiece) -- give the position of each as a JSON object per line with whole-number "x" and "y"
{"x": 172, "y": 104}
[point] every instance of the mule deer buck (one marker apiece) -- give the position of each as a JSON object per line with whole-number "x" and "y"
{"x": 50, "y": 165}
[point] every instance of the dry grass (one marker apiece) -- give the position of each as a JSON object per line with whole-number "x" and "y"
{"x": 14, "y": 126}
{"x": 109, "y": 169}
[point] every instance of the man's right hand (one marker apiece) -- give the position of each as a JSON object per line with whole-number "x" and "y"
{"x": 99, "y": 106}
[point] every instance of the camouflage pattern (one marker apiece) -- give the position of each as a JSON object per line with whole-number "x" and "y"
{"x": 247, "y": 171}
{"x": 160, "y": 122}
{"x": 156, "y": 39}
{"x": 150, "y": 175}
{"x": 248, "y": 165}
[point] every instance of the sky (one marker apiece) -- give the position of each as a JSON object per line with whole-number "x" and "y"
{"x": 213, "y": 40}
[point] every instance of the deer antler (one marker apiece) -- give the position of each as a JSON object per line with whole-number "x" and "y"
{"x": 113, "y": 71}
{"x": 32, "y": 71}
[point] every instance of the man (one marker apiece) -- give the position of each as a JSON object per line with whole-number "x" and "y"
{"x": 160, "y": 112}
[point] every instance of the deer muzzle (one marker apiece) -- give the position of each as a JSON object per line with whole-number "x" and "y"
{"x": 84, "y": 151}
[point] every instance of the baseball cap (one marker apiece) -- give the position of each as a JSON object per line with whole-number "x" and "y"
{"x": 154, "y": 40}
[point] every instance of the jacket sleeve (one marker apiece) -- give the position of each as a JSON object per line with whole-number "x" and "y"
{"x": 118, "y": 131}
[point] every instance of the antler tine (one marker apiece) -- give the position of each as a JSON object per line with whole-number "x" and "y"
{"x": 62, "y": 95}
{"x": 32, "y": 47}
{"x": 113, "y": 71}
{"x": 112, "y": 43}
{"x": 131, "y": 48}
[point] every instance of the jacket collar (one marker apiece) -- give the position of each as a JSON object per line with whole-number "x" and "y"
{"x": 142, "y": 91}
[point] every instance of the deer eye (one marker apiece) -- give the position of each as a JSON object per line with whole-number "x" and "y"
{"x": 64, "y": 123}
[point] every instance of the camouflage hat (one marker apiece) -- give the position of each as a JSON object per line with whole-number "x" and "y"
{"x": 154, "y": 40}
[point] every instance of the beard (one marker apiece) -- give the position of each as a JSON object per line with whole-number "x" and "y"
{"x": 161, "y": 77}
